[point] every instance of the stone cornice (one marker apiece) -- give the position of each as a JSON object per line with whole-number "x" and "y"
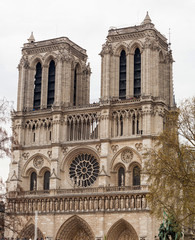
{"x": 54, "y": 45}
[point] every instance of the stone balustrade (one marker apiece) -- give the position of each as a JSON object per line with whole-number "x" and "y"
{"x": 79, "y": 190}
{"x": 80, "y": 203}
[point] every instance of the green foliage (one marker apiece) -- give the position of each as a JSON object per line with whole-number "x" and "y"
{"x": 170, "y": 167}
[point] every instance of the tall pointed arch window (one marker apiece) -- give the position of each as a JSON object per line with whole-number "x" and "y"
{"x": 51, "y": 84}
{"x": 37, "y": 86}
{"x": 75, "y": 85}
{"x": 121, "y": 177}
{"x": 136, "y": 176}
{"x": 122, "y": 76}
{"x": 46, "y": 180}
{"x": 137, "y": 73}
{"x": 33, "y": 181}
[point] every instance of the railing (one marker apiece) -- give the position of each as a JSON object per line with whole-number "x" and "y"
{"x": 79, "y": 190}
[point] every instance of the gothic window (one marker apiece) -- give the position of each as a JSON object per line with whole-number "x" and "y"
{"x": 84, "y": 170}
{"x": 137, "y": 126}
{"x": 122, "y": 76}
{"x": 51, "y": 84}
{"x": 75, "y": 86}
{"x": 121, "y": 177}
{"x": 136, "y": 176}
{"x": 33, "y": 181}
{"x": 46, "y": 180}
{"x": 121, "y": 123}
{"x": 37, "y": 86}
{"x": 133, "y": 125}
{"x": 137, "y": 73}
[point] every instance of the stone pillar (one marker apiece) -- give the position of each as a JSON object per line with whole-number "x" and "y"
{"x": 44, "y": 87}
{"x": 58, "y": 79}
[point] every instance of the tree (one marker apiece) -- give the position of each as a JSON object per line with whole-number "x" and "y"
{"x": 6, "y": 222}
{"x": 5, "y": 139}
{"x": 170, "y": 167}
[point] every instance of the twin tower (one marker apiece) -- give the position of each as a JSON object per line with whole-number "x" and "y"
{"x": 79, "y": 165}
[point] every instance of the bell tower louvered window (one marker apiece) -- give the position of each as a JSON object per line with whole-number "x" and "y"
{"x": 75, "y": 87}
{"x": 137, "y": 73}
{"x": 37, "y": 87}
{"x": 51, "y": 84}
{"x": 122, "y": 76}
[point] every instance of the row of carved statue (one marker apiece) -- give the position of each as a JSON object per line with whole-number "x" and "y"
{"x": 61, "y": 204}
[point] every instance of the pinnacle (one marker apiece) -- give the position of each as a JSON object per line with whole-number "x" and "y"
{"x": 31, "y": 38}
{"x": 146, "y": 19}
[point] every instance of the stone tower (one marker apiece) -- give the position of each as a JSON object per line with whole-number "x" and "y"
{"x": 79, "y": 165}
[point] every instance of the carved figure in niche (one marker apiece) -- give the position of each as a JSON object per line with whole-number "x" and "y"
{"x": 47, "y": 205}
{"x": 81, "y": 204}
{"x": 21, "y": 207}
{"x": 138, "y": 203}
{"x": 100, "y": 204}
{"x": 95, "y": 204}
{"x": 75, "y": 204}
{"x": 71, "y": 204}
{"x": 111, "y": 203}
{"x": 127, "y": 156}
{"x": 122, "y": 180}
{"x": 60, "y": 207}
{"x": 86, "y": 204}
{"x": 106, "y": 203}
{"x": 66, "y": 204}
{"x": 55, "y": 205}
{"x": 144, "y": 202}
{"x": 51, "y": 205}
{"x": 132, "y": 202}
{"x": 90, "y": 204}
{"x": 122, "y": 203}
{"x": 16, "y": 206}
{"x": 43, "y": 205}
{"x": 34, "y": 206}
{"x": 127, "y": 202}
{"x": 34, "y": 185}
{"x": 29, "y": 206}
{"x": 39, "y": 205}
{"x": 116, "y": 203}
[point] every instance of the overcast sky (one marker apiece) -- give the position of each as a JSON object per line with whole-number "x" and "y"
{"x": 87, "y": 23}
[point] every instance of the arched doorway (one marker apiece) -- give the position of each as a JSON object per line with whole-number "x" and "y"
{"x": 122, "y": 230}
{"x": 75, "y": 228}
{"x": 28, "y": 232}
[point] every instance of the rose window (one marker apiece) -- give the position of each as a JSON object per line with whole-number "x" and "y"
{"x": 84, "y": 170}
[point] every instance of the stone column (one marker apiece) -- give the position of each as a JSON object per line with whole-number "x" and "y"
{"x": 58, "y": 79}
{"x": 44, "y": 86}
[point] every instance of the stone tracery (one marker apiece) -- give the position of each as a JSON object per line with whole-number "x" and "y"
{"x": 84, "y": 170}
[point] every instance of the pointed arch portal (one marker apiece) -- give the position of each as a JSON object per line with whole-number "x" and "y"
{"x": 75, "y": 228}
{"x": 28, "y": 232}
{"x": 122, "y": 230}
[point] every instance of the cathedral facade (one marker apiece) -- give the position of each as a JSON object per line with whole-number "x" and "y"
{"x": 79, "y": 166}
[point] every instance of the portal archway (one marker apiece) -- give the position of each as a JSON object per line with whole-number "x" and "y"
{"x": 28, "y": 232}
{"x": 75, "y": 228}
{"x": 122, "y": 230}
